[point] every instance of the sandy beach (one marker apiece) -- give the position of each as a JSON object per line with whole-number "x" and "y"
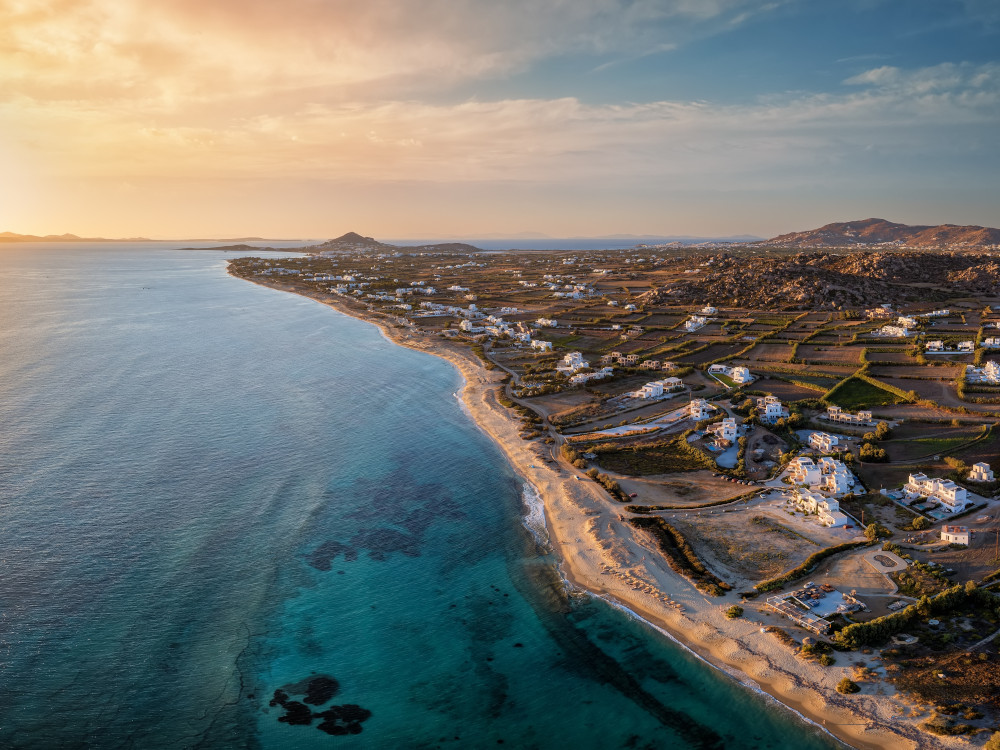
{"x": 604, "y": 556}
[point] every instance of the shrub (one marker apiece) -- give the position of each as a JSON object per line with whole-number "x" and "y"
{"x": 848, "y": 686}
{"x": 920, "y": 523}
{"x": 734, "y": 612}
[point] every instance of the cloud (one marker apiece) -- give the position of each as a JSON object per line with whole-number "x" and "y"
{"x": 169, "y": 52}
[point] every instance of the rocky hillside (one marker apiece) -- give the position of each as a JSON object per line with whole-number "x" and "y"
{"x": 834, "y": 281}
{"x": 880, "y": 231}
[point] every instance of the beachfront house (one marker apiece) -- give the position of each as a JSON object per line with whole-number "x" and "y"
{"x": 826, "y": 509}
{"x": 823, "y": 442}
{"x": 981, "y": 472}
{"x": 952, "y": 497}
{"x": 955, "y": 534}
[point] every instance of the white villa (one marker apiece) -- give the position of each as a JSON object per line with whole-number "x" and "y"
{"x": 700, "y": 409}
{"x": 468, "y": 327}
{"x": 771, "y": 409}
{"x": 542, "y": 346}
{"x": 955, "y": 534}
{"x": 584, "y": 377}
{"x": 708, "y": 310}
{"x": 727, "y": 430}
{"x": 836, "y": 414}
{"x": 657, "y": 388}
{"x": 990, "y": 373}
{"x": 827, "y": 508}
{"x": 546, "y": 323}
{"x": 906, "y": 321}
{"x": 739, "y": 375}
{"x": 571, "y": 363}
{"x": 823, "y": 442}
{"x": 695, "y": 322}
{"x": 837, "y": 478}
{"x": 980, "y": 472}
{"x": 892, "y": 332}
{"x": 993, "y": 342}
{"x": 883, "y": 311}
{"x": 944, "y": 491}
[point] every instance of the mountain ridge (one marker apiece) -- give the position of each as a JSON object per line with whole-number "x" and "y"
{"x": 876, "y": 231}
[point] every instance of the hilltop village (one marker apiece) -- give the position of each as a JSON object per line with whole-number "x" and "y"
{"x": 806, "y": 439}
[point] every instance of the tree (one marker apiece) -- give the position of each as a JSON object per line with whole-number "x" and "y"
{"x": 882, "y": 431}
{"x": 876, "y": 531}
{"x": 920, "y": 523}
{"x": 868, "y": 437}
{"x": 848, "y": 686}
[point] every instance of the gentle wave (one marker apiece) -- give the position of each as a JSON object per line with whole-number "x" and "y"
{"x": 534, "y": 517}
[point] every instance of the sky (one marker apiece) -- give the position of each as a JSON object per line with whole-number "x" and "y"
{"x": 465, "y": 118}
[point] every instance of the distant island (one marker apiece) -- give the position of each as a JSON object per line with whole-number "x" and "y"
{"x": 14, "y": 237}
{"x": 882, "y": 232}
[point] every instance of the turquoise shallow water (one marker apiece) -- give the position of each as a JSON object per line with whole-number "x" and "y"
{"x": 211, "y": 491}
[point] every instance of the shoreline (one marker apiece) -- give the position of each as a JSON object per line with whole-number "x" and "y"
{"x": 600, "y": 555}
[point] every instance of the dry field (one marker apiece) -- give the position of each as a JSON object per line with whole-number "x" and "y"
{"x": 785, "y": 391}
{"x": 769, "y": 353}
{"x": 836, "y": 355}
{"x": 897, "y": 355}
{"x": 741, "y": 550}
{"x": 689, "y": 488}
{"x": 713, "y": 352}
{"x": 906, "y": 372}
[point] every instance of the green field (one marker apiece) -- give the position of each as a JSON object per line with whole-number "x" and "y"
{"x": 854, "y": 393}
{"x": 663, "y": 457}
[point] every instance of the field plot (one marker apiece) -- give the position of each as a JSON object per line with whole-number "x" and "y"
{"x": 662, "y": 320}
{"x": 915, "y": 371}
{"x": 770, "y": 353}
{"x": 939, "y": 391}
{"x": 929, "y": 442}
{"x": 785, "y": 391}
{"x": 749, "y": 544}
{"x": 831, "y": 339}
{"x": 834, "y": 355}
{"x": 691, "y": 488}
{"x": 900, "y": 355}
{"x": 713, "y": 352}
{"x": 855, "y": 393}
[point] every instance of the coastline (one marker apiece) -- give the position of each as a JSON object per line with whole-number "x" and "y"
{"x": 601, "y": 555}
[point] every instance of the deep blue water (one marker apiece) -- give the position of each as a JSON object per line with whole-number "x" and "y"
{"x": 210, "y": 491}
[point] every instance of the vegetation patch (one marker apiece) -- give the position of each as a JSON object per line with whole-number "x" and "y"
{"x": 858, "y": 392}
{"x": 679, "y": 555}
{"x": 660, "y": 457}
{"x": 807, "y": 567}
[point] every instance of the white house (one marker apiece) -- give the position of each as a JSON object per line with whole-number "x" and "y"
{"x": 700, "y": 409}
{"x": 727, "y": 430}
{"x": 650, "y": 390}
{"x": 945, "y": 491}
{"x": 585, "y": 377}
{"x": 539, "y": 345}
{"x": 955, "y": 534}
{"x": 966, "y": 346}
{"x": 892, "y": 332}
{"x": 694, "y": 323}
{"x": 741, "y": 375}
{"x": 803, "y": 470}
{"x": 993, "y": 342}
{"x": 836, "y": 414}
{"x": 468, "y": 327}
{"x": 708, "y": 310}
{"x": 771, "y": 409}
{"x": 980, "y": 472}
{"x": 906, "y": 321}
{"x": 546, "y": 323}
{"x": 826, "y": 508}
{"x": 571, "y": 363}
{"x": 934, "y": 346}
{"x": 823, "y": 442}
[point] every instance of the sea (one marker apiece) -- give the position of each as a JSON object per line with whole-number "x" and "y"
{"x": 231, "y": 517}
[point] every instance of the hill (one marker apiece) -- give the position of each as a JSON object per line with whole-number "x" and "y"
{"x": 14, "y": 237}
{"x": 882, "y": 232}
{"x": 353, "y": 241}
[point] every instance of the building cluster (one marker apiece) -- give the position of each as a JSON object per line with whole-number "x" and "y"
{"x": 823, "y": 442}
{"x": 739, "y": 375}
{"x": 892, "y": 332}
{"x": 695, "y": 322}
{"x": 942, "y": 491}
{"x": 825, "y": 475}
{"x": 938, "y": 347}
{"x": 571, "y": 363}
{"x": 988, "y": 373}
{"x": 582, "y": 378}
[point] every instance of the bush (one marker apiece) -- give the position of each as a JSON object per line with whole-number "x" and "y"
{"x": 920, "y": 523}
{"x": 848, "y": 686}
{"x": 993, "y": 743}
{"x": 826, "y": 660}
{"x": 876, "y": 531}
{"x": 734, "y": 612}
